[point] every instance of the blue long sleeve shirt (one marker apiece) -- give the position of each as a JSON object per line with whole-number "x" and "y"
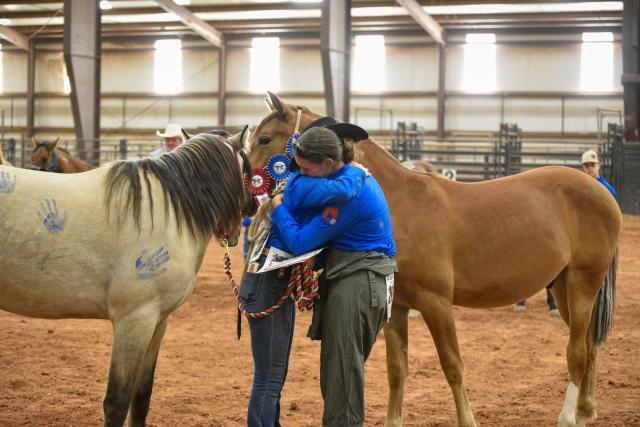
{"x": 362, "y": 223}
{"x": 305, "y": 196}
{"x": 608, "y": 186}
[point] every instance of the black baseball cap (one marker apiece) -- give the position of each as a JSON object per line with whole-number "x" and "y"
{"x": 343, "y": 130}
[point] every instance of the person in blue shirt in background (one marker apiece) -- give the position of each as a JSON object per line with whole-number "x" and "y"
{"x": 271, "y": 336}
{"x": 359, "y": 271}
{"x": 590, "y": 166}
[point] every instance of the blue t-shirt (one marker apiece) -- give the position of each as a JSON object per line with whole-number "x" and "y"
{"x": 305, "y": 196}
{"x": 602, "y": 181}
{"x": 362, "y": 223}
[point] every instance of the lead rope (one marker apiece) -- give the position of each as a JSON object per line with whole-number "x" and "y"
{"x": 302, "y": 288}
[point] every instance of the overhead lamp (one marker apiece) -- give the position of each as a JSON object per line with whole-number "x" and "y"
{"x": 105, "y": 5}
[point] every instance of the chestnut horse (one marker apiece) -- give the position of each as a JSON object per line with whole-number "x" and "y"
{"x": 419, "y": 166}
{"x": 47, "y": 156}
{"x": 127, "y": 250}
{"x": 486, "y": 244}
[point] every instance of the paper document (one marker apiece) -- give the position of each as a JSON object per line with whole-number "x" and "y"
{"x": 278, "y": 259}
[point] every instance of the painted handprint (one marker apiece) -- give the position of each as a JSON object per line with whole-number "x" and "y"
{"x": 50, "y": 216}
{"x": 152, "y": 265}
{"x": 6, "y": 183}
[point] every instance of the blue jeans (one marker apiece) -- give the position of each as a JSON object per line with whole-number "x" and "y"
{"x": 271, "y": 339}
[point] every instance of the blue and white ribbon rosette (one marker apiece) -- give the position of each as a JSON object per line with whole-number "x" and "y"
{"x": 278, "y": 167}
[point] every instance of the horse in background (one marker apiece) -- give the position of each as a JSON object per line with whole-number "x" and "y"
{"x": 128, "y": 250}
{"x": 485, "y": 244}
{"x": 4, "y": 161}
{"x": 47, "y": 156}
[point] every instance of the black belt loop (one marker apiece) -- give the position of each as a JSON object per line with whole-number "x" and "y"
{"x": 374, "y": 290}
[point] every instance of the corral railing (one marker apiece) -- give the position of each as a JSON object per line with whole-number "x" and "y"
{"x": 487, "y": 156}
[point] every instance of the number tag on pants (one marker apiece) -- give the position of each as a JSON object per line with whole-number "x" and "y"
{"x": 389, "y": 280}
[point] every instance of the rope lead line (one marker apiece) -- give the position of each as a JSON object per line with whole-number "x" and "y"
{"x": 302, "y": 288}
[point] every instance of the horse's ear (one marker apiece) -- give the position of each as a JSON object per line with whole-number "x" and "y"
{"x": 244, "y": 138}
{"x": 33, "y": 142}
{"x": 54, "y": 143}
{"x": 268, "y": 102}
{"x": 278, "y": 105}
{"x": 239, "y": 141}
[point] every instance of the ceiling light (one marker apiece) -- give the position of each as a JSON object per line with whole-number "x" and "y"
{"x": 182, "y": 2}
{"x": 5, "y": 21}
{"x": 105, "y": 5}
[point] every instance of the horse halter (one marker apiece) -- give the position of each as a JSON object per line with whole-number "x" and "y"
{"x": 277, "y": 168}
{"x": 221, "y": 234}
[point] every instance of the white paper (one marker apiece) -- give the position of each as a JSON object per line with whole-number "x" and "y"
{"x": 264, "y": 230}
{"x": 279, "y": 259}
{"x": 389, "y": 280}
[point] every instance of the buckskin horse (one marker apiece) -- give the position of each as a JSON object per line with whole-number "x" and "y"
{"x": 485, "y": 244}
{"x": 47, "y": 156}
{"x": 128, "y": 250}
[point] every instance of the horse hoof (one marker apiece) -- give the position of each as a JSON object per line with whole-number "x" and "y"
{"x": 519, "y": 308}
{"x": 554, "y": 312}
{"x": 564, "y": 421}
{"x": 582, "y": 421}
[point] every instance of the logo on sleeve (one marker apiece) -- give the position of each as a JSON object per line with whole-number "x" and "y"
{"x": 330, "y": 215}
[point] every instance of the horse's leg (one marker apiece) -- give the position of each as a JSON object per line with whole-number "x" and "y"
{"x": 131, "y": 337}
{"x": 437, "y": 312}
{"x": 396, "y": 339}
{"x": 581, "y": 289}
{"x": 586, "y": 410}
{"x": 144, "y": 381}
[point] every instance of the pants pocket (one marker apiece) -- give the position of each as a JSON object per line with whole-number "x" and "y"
{"x": 250, "y": 288}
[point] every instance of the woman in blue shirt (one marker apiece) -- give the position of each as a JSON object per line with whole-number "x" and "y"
{"x": 359, "y": 271}
{"x": 271, "y": 336}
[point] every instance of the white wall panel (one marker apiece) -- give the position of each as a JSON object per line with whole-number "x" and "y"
{"x": 300, "y": 70}
{"x": 49, "y": 72}
{"x": 53, "y": 112}
{"x": 543, "y": 67}
{"x": 413, "y": 68}
{"x": 200, "y": 70}
{"x": 468, "y": 114}
{"x": 534, "y": 114}
{"x": 127, "y": 71}
{"x": 581, "y": 114}
{"x": 14, "y": 71}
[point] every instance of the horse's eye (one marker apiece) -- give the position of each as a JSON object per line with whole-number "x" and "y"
{"x": 265, "y": 140}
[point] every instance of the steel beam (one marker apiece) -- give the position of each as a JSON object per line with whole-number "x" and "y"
{"x": 425, "y": 20}
{"x": 222, "y": 83}
{"x": 31, "y": 87}
{"x": 15, "y": 37}
{"x": 82, "y": 43}
{"x": 631, "y": 68}
{"x": 192, "y": 21}
{"x": 442, "y": 94}
{"x": 335, "y": 47}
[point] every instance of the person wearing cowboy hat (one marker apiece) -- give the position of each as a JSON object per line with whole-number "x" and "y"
{"x": 359, "y": 265}
{"x": 591, "y": 166}
{"x": 173, "y": 137}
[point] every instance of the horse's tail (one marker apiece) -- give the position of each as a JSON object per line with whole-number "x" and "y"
{"x": 602, "y": 314}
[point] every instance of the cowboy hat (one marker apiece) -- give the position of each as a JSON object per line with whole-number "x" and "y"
{"x": 343, "y": 130}
{"x": 171, "y": 131}
{"x": 589, "y": 156}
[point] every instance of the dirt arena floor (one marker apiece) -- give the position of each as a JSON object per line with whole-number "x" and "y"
{"x": 53, "y": 373}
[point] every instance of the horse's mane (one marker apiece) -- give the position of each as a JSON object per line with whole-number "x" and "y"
{"x": 200, "y": 178}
